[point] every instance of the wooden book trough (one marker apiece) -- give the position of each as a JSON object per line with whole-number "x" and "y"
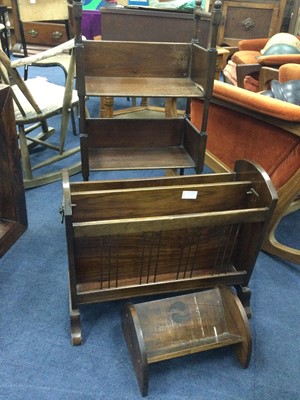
{"x": 172, "y": 234}
{"x": 177, "y": 326}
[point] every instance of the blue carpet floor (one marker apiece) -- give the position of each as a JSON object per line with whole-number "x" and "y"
{"x": 38, "y": 361}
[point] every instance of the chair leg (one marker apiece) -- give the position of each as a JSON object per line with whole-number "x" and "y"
{"x": 266, "y": 74}
{"x": 74, "y": 130}
{"x": 242, "y": 70}
{"x": 286, "y": 203}
{"x": 272, "y": 246}
{"x": 63, "y": 129}
{"x": 26, "y": 165}
{"x": 25, "y": 72}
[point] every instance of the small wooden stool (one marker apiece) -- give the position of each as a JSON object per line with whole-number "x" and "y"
{"x": 181, "y": 325}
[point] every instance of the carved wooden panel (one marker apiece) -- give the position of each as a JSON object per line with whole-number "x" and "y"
{"x": 249, "y": 20}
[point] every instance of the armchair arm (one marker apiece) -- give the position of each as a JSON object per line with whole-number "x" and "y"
{"x": 252, "y": 44}
{"x": 279, "y": 59}
{"x": 44, "y": 54}
{"x": 288, "y": 72}
{"x": 256, "y": 102}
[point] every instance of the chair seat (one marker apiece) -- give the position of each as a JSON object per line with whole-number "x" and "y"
{"x": 48, "y": 96}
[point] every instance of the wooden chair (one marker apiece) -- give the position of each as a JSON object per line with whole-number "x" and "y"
{"x": 48, "y": 24}
{"x": 266, "y": 130}
{"x": 249, "y": 60}
{"x": 35, "y": 101}
{"x": 37, "y": 23}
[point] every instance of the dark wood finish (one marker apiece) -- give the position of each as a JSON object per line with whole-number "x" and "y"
{"x": 151, "y": 26}
{"x": 174, "y": 327}
{"x": 13, "y": 214}
{"x": 135, "y": 144}
{"x": 250, "y": 20}
{"x": 134, "y": 69}
{"x": 143, "y": 237}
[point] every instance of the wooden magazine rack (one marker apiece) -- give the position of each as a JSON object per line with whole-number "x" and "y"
{"x": 171, "y": 234}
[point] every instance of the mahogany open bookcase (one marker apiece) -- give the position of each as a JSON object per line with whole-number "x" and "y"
{"x": 109, "y": 69}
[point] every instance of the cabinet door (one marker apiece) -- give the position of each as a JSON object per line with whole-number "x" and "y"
{"x": 249, "y": 20}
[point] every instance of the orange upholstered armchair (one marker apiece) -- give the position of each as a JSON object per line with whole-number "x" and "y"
{"x": 249, "y": 59}
{"x": 247, "y": 125}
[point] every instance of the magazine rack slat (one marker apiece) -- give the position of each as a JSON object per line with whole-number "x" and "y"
{"x": 143, "y": 237}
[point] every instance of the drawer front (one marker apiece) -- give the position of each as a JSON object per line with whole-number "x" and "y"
{"x": 48, "y": 34}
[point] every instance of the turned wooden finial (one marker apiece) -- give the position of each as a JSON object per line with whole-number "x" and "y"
{"x": 197, "y": 13}
{"x": 216, "y": 21}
